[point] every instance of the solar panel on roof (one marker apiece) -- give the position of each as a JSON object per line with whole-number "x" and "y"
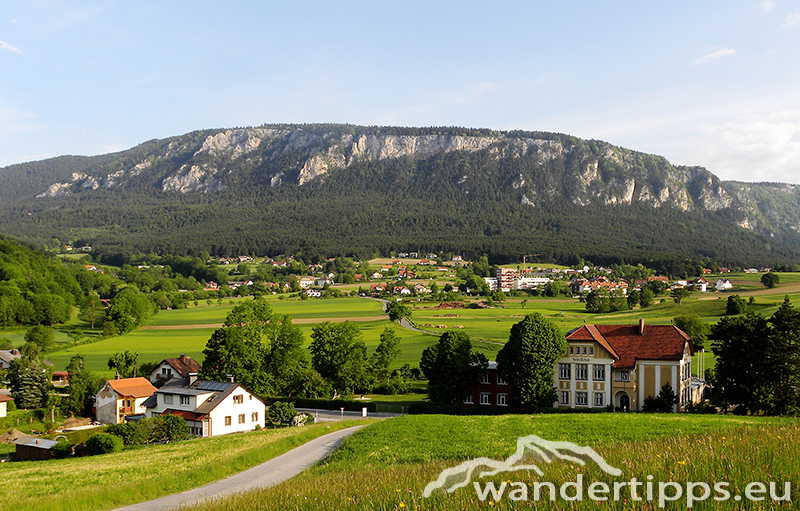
{"x": 212, "y": 386}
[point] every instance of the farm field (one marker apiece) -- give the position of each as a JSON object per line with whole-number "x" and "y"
{"x": 388, "y": 465}
{"x": 112, "y": 480}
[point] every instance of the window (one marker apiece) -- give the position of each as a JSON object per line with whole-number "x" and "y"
{"x": 470, "y": 399}
{"x": 167, "y": 399}
{"x": 563, "y": 371}
{"x": 622, "y": 376}
{"x": 599, "y": 372}
{"x": 501, "y": 381}
{"x": 237, "y": 400}
{"x": 485, "y": 379}
{"x": 184, "y": 400}
{"x": 227, "y": 420}
{"x": 581, "y": 398}
{"x": 486, "y": 398}
{"x": 241, "y": 418}
{"x": 591, "y": 350}
{"x": 254, "y": 417}
{"x": 570, "y": 350}
{"x": 502, "y": 399}
{"x": 584, "y": 350}
{"x": 598, "y": 399}
{"x": 564, "y": 397}
{"x": 581, "y": 371}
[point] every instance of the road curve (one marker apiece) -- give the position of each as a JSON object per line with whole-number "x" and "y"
{"x": 267, "y": 474}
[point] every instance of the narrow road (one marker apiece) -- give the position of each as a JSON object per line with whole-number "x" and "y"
{"x": 267, "y": 474}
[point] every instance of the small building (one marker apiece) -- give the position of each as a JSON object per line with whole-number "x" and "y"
{"x": 723, "y": 285}
{"x": 491, "y": 390}
{"x": 170, "y": 368}
{"x": 120, "y": 398}
{"x": 30, "y": 448}
{"x": 313, "y": 293}
{"x": 60, "y": 379}
{"x": 8, "y": 356}
{"x": 210, "y": 408}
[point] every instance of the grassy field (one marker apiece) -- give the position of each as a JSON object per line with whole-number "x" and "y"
{"x": 112, "y": 480}
{"x": 387, "y": 465}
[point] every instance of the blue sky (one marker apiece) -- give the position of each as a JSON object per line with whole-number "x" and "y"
{"x": 709, "y": 83}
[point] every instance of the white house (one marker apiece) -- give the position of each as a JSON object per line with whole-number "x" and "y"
{"x": 120, "y": 398}
{"x": 210, "y": 408}
{"x": 3, "y": 407}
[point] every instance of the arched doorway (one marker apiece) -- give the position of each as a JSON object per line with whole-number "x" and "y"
{"x": 622, "y": 401}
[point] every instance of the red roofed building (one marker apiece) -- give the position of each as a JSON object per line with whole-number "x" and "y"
{"x": 170, "y": 368}
{"x": 120, "y": 398}
{"x": 622, "y": 365}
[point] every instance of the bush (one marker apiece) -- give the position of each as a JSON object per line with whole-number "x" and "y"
{"x": 281, "y": 413}
{"x": 103, "y": 443}
{"x": 62, "y": 449}
{"x": 132, "y": 433}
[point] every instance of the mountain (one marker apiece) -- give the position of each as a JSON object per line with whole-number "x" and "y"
{"x": 323, "y": 190}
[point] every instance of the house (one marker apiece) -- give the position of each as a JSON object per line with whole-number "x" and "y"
{"x": 30, "y": 448}
{"x": 723, "y": 285}
{"x": 210, "y": 408}
{"x": 306, "y": 282}
{"x": 580, "y": 286}
{"x": 421, "y": 289}
{"x": 3, "y": 405}
{"x": 8, "y": 356}
{"x": 120, "y": 398}
{"x": 376, "y": 275}
{"x": 706, "y": 271}
{"x": 622, "y": 365}
{"x": 619, "y": 365}
{"x": 491, "y": 390}
{"x": 505, "y": 279}
{"x": 531, "y": 281}
{"x": 60, "y": 378}
{"x": 425, "y": 262}
{"x": 377, "y": 288}
{"x": 170, "y": 368}
{"x": 700, "y": 284}
{"x": 402, "y": 290}
{"x": 211, "y": 286}
{"x": 455, "y": 258}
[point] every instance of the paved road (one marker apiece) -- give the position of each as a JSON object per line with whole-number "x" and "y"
{"x": 267, "y": 474}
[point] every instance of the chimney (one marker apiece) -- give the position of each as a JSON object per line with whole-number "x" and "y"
{"x": 116, "y": 375}
{"x": 641, "y": 326}
{"x": 183, "y": 358}
{"x": 230, "y": 378}
{"x": 192, "y": 378}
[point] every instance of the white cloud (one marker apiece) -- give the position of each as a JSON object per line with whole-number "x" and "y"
{"x": 5, "y": 46}
{"x": 711, "y": 57}
{"x": 766, "y": 5}
{"x": 792, "y": 19}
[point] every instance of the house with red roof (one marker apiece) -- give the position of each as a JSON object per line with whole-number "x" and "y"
{"x": 622, "y": 365}
{"x": 170, "y": 368}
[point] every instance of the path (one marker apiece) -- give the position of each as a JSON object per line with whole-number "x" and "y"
{"x": 267, "y": 474}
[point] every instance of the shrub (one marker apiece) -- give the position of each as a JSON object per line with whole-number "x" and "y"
{"x": 62, "y": 449}
{"x": 132, "y": 433}
{"x": 103, "y": 443}
{"x": 281, "y": 413}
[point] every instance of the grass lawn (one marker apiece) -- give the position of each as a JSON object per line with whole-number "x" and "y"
{"x": 112, "y": 480}
{"x": 387, "y": 465}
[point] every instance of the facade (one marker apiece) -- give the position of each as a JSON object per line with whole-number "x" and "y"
{"x": 506, "y": 277}
{"x": 170, "y": 368}
{"x": 622, "y": 365}
{"x": 121, "y": 398}
{"x": 490, "y": 391}
{"x": 209, "y": 408}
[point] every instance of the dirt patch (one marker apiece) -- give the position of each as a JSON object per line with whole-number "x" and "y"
{"x": 74, "y": 423}
{"x": 10, "y": 436}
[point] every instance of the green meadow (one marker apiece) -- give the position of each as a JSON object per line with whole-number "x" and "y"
{"x": 388, "y": 465}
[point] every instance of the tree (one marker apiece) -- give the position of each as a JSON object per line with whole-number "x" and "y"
{"x": 664, "y": 402}
{"x": 92, "y": 310}
{"x": 770, "y": 280}
{"x": 679, "y": 293}
{"x": 168, "y": 428}
{"x": 388, "y": 349}
{"x": 281, "y": 413}
{"x": 103, "y": 443}
{"x": 782, "y": 361}
{"x": 527, "y": 361}
{"x": 83, "y": 385}
{"x": 736, "y": 305}
{"x": 646, "y": 298}
{"x": 397, "y": 311}
{"x": 695, "y": 327}
{"x": 285, "y": 360}
{"x": 598, "y": 300}
{"x": 339, "y": 354}
{"x": 42, "y": 336}
{"x": 33, "y": 383}
{"x": 125, "y": 363}
{"x": 451, "y": 367}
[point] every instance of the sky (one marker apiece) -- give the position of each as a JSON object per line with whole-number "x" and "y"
{"x": 707, "y": 83}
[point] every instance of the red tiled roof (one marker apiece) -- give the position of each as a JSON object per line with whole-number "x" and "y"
{"x": 659, "y": 342}
{"x": 189, "y": 416}
{"x": 133, "y": 387}
{"x": 183, "y": 365}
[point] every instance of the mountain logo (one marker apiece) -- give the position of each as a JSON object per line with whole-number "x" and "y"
{"x": 529, "y": 447}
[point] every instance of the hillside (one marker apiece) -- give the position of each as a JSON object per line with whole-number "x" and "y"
{"x": 322, "y": 190}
